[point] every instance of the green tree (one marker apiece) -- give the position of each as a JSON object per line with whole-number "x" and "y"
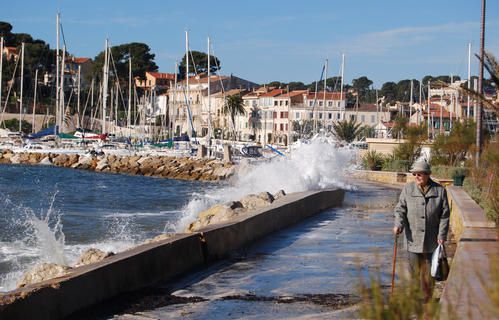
{"x": 362, "y": 85}
{"x": 296, "y": 85}
{"x": 453, "y": 149}
{"x": 410, "y": 150}
{"x": 332, "y": 83}
{"x": 198, "y": 62}
{"x": 13, "y": 125}
{"x": 142, "y": 61}
{"x": 234, "y": 105}
{"x": 254, "y": 120}
{"x": 347, "y": 131}
{"x": 389, "y": 92}
{"x": 303, "y": 128}
{"x": 400, "y": 128}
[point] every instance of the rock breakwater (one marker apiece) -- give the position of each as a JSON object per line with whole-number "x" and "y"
{"x": 190, "y": 168}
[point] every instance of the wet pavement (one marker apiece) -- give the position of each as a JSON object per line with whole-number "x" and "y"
{"x": 308, "y": 271}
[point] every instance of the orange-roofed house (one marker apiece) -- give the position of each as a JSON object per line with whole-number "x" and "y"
{"x": 156, "y": 81}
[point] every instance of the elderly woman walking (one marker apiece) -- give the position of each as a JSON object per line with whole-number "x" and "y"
{"x": 422, "y": 213}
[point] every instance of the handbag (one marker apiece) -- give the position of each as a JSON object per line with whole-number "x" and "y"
{"x": 439, "y": 264}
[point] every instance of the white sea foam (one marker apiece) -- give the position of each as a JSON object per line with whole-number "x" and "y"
{"x": 313, "y": 166}
{"x": 140, "y": 214}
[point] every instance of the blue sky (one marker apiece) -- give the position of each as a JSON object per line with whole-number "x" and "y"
{"x": 262, "y": 41}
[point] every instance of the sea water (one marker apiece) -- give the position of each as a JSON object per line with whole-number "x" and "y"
{"x": 52, "y": 214}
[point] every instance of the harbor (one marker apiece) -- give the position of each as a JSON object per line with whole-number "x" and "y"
{"x": 249, "y": 161}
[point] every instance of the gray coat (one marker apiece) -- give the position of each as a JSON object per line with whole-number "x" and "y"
{"x": 424, "y": 218}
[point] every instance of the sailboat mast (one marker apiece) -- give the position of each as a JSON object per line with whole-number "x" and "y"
{"x": 324, "y": 98}
{"x": 469, "y": 80}
{"x": 22, "y": 82}
{"x": 1, "y": 67}
{"x": 61, "y": 93}
{"x": 78, "y": 101}
{"x": 129, "y": 118}
{"x": 209, "y": 101}
{"x": 175, "y": 111}
{"x": 410, "y": 101}
{"x": 420, "y": 113}
{"x": 429, "y": 108}
{"x": 187, "y": 70}
{"x": 34, "y": 101}
{"x": 104, "y": 87}
{"x": 342, "y": 111}
{"x": 57, "y": 61}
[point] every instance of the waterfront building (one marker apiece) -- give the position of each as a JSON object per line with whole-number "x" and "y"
{"x": 189, "y": 108}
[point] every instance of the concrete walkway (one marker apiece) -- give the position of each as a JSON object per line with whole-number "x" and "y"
{"x": 308, "y": 271}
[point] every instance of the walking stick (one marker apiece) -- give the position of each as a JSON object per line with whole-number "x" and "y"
{"x": 394, "y": 261}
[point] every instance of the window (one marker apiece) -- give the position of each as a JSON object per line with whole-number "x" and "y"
{"x": 362, "y": 118}
{"x": 287, "y": 102}
{"x": 373, "y": 118}
{"x": 286, "y": 127}
{"x": 310, "y": 103}
{"x": 275, "y": 126}
{"x": 282, "y": 115}
{"x": 352, "y": 117}
{"x": 297, "y": 115}
{"x": 320, "y": 103}
{"x": 338, "y": 116}
{"x": 330, "y": 116}
{"x": 281, "y": 127}
{"x": 275, "y": 103}
{"x": 275, "y": 115}
{"x": 280, "y": 103}
{"x": 311, "y": 115}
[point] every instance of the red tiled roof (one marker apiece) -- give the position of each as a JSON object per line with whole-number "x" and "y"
{"x": 161, "y": 75}
{"x": 272, "y": 93}
{"x": 81, "y": 60}
{"x": 329, "y": 95}
{"x": 292, "y": 94}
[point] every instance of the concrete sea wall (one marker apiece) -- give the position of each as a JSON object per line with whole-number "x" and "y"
{"x": 163, "y": 260}
{"x": 469, "y": 288}
{"x": 183, "y": 168}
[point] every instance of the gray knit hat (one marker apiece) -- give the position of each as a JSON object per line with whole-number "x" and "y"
{"x": 421, "y": 166}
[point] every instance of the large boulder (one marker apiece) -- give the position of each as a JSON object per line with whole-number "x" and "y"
{"x": 15, "y": 159}
{"x": 92, "y": 255}
{"x": 257, "y": 201}
{"x": 60, "y": 160}
{"x": 43, "y": 272}
{"x": 84, "y": 162}
{"x": 102, "y": 165}
{"x": 160, "y": 237}
{"x": 279, "y": 194}
{"x": 217, "y": 214}
{"x": 46, "y": 161}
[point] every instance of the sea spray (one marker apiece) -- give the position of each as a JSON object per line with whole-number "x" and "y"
{"x": 39, "y": 237}
{"x": 313, "y": 166}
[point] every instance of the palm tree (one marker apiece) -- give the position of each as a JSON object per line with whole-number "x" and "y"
{"x": 490, "y": 63}
{"x": 254, "y": 119}
{"x": 347, "y": 130}
{"x": 234, "y": 106}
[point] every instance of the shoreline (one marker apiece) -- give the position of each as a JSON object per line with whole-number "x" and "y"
{"x": 180, "y": 168}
